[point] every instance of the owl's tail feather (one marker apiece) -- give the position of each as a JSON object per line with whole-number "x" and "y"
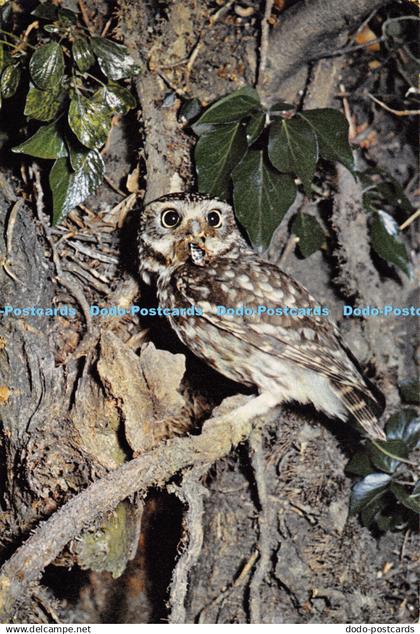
{"x": 361, "y": 407}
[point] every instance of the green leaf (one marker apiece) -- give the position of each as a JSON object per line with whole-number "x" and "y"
{"x": 117, "y": 98}
{"x": 412, "y": 433}
{"x": 359, "y": 464}
{"x": 383, "y": 193}
{"x": 370, "y": 513}
{"x": 410, "y": 391}
{"x": 388, "y": 463}
{"x": 310, "y": 233}
{"x": 41, "y": 104}
{"x": 46, "y": 66}
{"x": 292, "y": 147}
{"x": 114, "y": 59}
{"x": 46, "y": 143}
{"x": 69, "y": 188}
{"x": 10, "y": 80}
{"x": 331, "y": 129}
{"x": 261, "y": 196}
{"x": 82, "y": 54}
{"x": 386, "y": 245}
{"x": 45, "y": 11}
{"x": 397, "y": 424}
{"x": 411, "y": 502}
{"x": 233, "y": 107}
{"x": 368, "y": 491}
{"x": 216, "y": 154}
{"x": 2, "y": 57}
{"x": 90, "y": 121}
{"x": 67, "y": 17}
{"x": 281, "y": 108}
{"x": 255, "y": 126}
{"x": 189, "y": 110}
{"x": 393, "y": 194}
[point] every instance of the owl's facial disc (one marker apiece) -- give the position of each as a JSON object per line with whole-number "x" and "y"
{"x": 180, "y": 227}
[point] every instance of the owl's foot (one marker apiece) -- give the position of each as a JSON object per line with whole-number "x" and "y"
{"x": 240, "y": 420}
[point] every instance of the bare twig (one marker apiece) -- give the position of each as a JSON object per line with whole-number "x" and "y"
{"x": 217, "y": 439}
{"x": 409, "y": 220}
{"x": 347, "y": 112}
{"x": 92, "y": 253}
{"x": 192, "y": 493}
{"x": 398, "y": 113}
{"x": 196, "y": 49}
{"x": 290, "y": 245}
{"x": 263, "y": 564}
{"x": 265, "y": 33}
{"x": 85, "y": 16}
{"x": 10, "y": 226}
{"x": 114, "y": 187}
{"x": 348, "y": 49}
{"x": 239, "y": 581}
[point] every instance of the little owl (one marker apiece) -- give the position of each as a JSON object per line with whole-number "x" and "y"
{"x": 191, "y": 248}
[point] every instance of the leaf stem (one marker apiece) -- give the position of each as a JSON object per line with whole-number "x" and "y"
{"x": 20, "y": 42}
{"x": 94, "y": 78}
{"x": 391, "y": 455}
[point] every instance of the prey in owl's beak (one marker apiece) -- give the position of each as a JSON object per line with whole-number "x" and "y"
{"x": 197, "y": 253}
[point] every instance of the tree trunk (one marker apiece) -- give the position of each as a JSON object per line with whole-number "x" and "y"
{"x": 231, "y": 525}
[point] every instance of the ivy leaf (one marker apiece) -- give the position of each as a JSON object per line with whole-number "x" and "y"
{"x": 261, "y": 196}
{"x": 117, "y": 98}
{"x": 292, "y": 147}
{"x": 67, "y": 17}
{"x": 46, "y": 66}
{"x": 10, "y": 80}
{"x": 385, "y": 244}
{"x": 410, "y": 391}
{"x": 332, "y": 131}
{"x": 255, "y": 127}
{"x": 411, "y": 502}
{"x": 396, "y": 425}
{"x": 368, "y": 491}
{"x": 69, "y": 188}
{"x": 388, "y": 463}
{"x": 393, "y": 193}
{"x": 113, "y": 59}
{"x": 46, "y": 143}
{"x": 359, "y": 464}
{"x": 189, "y": 110}
{"x": 216, "y": 154}
{"x": 412, "y": 433}
{"x": 310, "y": 233}
{"x": 89, "y": 120}
{"x": 280, "y": 108}
{"x": 232, "y": 108}
{"x": 82, "y": 54}
{"x": 45, "y": 11}
{"x": 41, "y": 104}
{"x": 387, "y": 193}
{"x": 371, "y": 512}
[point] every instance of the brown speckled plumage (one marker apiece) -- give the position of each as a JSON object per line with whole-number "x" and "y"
{"x": 299, "y": 358}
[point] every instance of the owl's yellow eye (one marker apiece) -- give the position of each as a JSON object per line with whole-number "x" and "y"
{"x": 170, "y": 218}
{"x": 214, "y": 218}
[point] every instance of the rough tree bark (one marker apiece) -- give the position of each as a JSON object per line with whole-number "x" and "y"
{"x": 90, "y": 406}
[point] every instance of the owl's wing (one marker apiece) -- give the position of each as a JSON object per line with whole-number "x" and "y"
{"x": 310, "y": 341}
{"x": 259, "y": 283}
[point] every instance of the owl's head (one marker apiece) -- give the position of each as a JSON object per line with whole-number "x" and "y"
{"x": 183, "y": 227}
